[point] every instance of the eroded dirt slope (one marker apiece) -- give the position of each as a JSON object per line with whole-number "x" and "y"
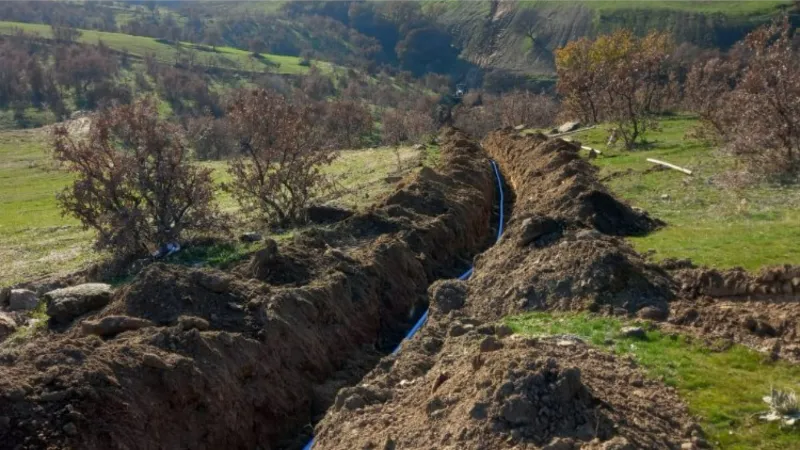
{"x": 245, "y": 359}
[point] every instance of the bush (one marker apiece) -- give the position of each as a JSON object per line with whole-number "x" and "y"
{"x": 277, "y": 173}
{"x": 134, "y": 183}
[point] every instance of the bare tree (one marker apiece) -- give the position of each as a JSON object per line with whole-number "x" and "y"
{"x": 278, "y": 171}
{"x": 134, "y": 182}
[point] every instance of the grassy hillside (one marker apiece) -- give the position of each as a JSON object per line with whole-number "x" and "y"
{"x": 36, "y": 240}
{"x": 728, "y": 8}
{"x": 224, "y": 57}
{"x": 488, "y": 35}
{"x": 709, "y": 220}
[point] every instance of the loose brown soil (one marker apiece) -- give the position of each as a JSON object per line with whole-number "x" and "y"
{"x": 462, "y": 382}
{"x": 247, "y": 358}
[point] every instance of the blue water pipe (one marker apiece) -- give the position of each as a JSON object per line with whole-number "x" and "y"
{"x": 463, "y": 276}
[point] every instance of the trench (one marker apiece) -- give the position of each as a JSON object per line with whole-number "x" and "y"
{"x": 504, "y": 204}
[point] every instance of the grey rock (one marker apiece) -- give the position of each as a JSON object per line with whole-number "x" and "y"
{"x": 5, "y": 293}
{"x": 186, "y": 323}
{"x": 154, "y": 361}
{"x": 653, "y": 313}
{"x": 65, "y": 304}
{"x": 633, "y": 332}
{"x": 560, "y": 444}
{"x": 22, "y": 300}
{"x": 354, "y": 402}
{"x": 251, "y": 236}
{"x": 113, "y": 325}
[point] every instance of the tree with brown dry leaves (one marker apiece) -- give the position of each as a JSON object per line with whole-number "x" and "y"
{"x": 617, "y": 77}
{"x": 277, "y": 173}
{"x": 134, "y": 183}
{"x": 750, "y": 99}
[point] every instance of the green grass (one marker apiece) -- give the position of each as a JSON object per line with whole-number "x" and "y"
{"x": 723, "y": 388}
{"x": 225, "y": 57}
{"x": 38, "y": 323}
{"x": 730, "y": 7}
{"x": 37, "y": 241}
{"x": 707, "y": 221}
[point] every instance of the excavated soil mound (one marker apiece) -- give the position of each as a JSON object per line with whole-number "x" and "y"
{"x": 758, "y": 310}
{"x": 462, "y": 384}
{"x": 770, "y": 281}
{"x": 551, "y": 179}
{"x": 196, "y": 358}
{"x": 771, "y": 326}
{"x": 560, "y": 249}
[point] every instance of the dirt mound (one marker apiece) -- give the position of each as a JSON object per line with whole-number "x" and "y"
{"x": 247, "y": 358}
{"x": 560, "y": 249}
{"x": 771, "y": 281}
{"x": 464, "y": 384}
{"x": 768, "y": 325}
{"x": 551, "y": 179}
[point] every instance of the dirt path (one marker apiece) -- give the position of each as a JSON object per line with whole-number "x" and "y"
{"x": 248, "y": 358}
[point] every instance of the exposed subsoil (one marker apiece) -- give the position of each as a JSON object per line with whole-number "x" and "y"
{"x": 464, "y": 382}
{"x": 247, "y": 358}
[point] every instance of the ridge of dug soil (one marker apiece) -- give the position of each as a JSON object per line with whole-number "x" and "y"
{"x": 466, "y": 382}
{"x": 245, "y": 359}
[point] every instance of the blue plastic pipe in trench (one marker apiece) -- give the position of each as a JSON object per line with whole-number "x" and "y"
{"x": 464, "y": 276}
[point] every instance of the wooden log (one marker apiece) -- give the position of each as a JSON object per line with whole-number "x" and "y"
{"x": 570, "y": 132}
{"x": 671, "y": 166}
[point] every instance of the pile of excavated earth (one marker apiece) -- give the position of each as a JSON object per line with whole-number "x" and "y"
{"x": 301, "y": 333}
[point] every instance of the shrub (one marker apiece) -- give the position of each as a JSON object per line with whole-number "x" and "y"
{"x": 278, "y": 171}
{"x": 134, "y": 183}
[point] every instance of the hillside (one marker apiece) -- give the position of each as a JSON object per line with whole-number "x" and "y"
{"x": 521, "y": 36}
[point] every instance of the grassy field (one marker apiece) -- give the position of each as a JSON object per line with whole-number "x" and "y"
{"x": 35, "y": 240}
{"x": 707, "y": 221}
{"x": 730, "y": 7}
{"x": 226, "y": 57}
{"x": 723, "y": 388}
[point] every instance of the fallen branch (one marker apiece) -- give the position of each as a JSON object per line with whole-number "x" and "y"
{"x": 671, "y": 166}
{"x": 570, "y": 132}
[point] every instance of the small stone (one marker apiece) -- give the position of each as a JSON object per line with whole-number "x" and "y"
{"x": 490, "y": 344}
{"x": 354, "y": 402}
{"x": 250, "y": 236}
{"x": 70, "y": 429}
{"x": 22, "y": 300}
{"x": 111, "y": 326}
{"x": 665, "y": 197}
{"x": 154, "y": 361}
{"x": 633, "y": 332}
{"x": 456, "y": 330}
{"x": 65, "y": 304}
{"x": 700, "y": 442}
{"x": 560, "y": 444}
{"x": 186, "y": 323}
{"x": 653, "y": 313}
